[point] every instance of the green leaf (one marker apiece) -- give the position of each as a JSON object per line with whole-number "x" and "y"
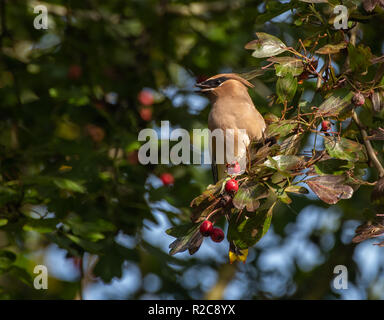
{"x": 21, "y": 274}
{"x": 3, "y": 222}
{"x": 110, "y": 263}
{"x": 201, "y": 204}
{"x": 86, "y": 245}
{"x": 337, "y": 104}
{"x": 285, "y": 65}
{"x": 286, "y": 87}
{"x": 7, "y": 195}
{"x": 7, "y": 258}
{"x": 249, "y": 194}
{"x": 296, "y": 189}
{"x": 90, "y": 230}
{"x": 281, "y": 128}
{"x": 342, "y": 148}
{"x": 41, "y": 225}
{"x": 332, "y": 166}
{"x": 284, "y": 162}
{"x": 69, "y": 185}
{"x": 249, "y": 230}
{"x": 360, "y": 58}
{"x": 179, "y": 231}
{"x": 266, "y": 45}
{"x": 285, "y": 198}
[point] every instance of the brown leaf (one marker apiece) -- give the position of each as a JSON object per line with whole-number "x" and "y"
{"x": 369, "y": 230}
{"x": 330, "y": 188}
{"x": 191, "y": 242}
{"x": 332, "y": 48}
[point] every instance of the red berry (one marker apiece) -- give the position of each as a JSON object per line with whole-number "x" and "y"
{"x": 74, "y": 72}
{"x": 232, "y": 186}
{"x": 206, "y": 228}
{"x": 325, "y": 125}
{"x": 145, "y": 97}
{"x": 217, "y": 235}
{"x": 167, "y": 179}
{"x": 358, "y": 99}
{"x": 146, "y": 114}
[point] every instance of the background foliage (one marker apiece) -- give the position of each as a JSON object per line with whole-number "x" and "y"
{"x": 70, "y": 114}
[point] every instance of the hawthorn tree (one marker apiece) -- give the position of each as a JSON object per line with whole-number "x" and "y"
{"x": 75, "y": 96}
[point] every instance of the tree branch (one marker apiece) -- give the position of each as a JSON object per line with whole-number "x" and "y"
{"x": 371, "y": 152}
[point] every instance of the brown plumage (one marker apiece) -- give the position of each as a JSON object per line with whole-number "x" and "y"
{"x": 232, "y": 108}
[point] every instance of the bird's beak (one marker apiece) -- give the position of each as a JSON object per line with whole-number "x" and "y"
{"x": 204, "y": 86}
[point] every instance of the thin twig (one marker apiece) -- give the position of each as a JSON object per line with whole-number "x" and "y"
{"x": 371, "y": 152}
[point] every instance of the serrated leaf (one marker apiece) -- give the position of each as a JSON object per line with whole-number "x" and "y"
{"x": 329, "y": 188}
{"x": 284, "y": 162}
{"x": 335, "y": 105}
{"x": 248, "y": 196}
{"x": 342, "y": 148}
{"x": 266, "y": 45}
{"x": 190, "y": 241}
{"x": 250, "y": 230}
{"x": 285, "y": 65}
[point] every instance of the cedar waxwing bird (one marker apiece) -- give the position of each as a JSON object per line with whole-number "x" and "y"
{"x": 235, "y": 114}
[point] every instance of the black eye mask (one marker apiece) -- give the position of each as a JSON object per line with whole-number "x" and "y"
{"x": 213, "y": 83}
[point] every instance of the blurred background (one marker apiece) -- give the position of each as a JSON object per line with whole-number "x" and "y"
{"x": 73, "y": 195}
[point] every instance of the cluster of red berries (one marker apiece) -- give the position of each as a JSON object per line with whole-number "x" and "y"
{"x": 207, "y": 229}
{"x": 146, "y": 100}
